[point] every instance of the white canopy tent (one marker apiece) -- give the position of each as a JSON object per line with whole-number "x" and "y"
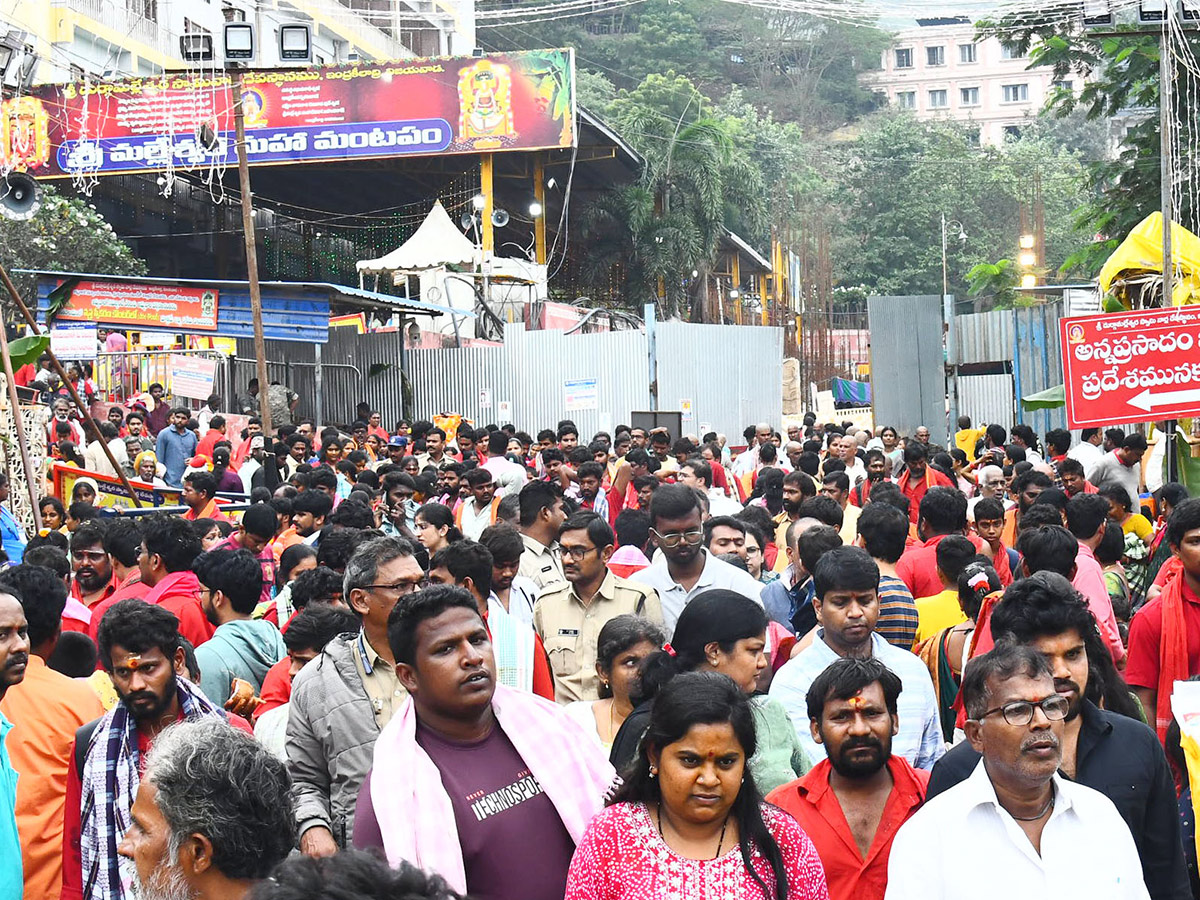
{"x": 436, "y": 246}
{"x": 437, "y": 243}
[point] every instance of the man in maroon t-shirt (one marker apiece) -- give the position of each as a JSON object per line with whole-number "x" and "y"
{"x": 513, "y": 837}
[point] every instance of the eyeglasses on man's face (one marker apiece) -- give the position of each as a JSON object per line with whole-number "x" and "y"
{"x": 1020, "y": 712}
{"x": 675, "y": 538}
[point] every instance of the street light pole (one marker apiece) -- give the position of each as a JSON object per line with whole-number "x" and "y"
{"x": 260, "y": 350}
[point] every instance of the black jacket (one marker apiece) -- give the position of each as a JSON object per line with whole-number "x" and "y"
{"x": 1122, "y": 759}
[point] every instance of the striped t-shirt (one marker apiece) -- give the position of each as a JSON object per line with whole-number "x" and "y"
{"x": 897, "y": 613}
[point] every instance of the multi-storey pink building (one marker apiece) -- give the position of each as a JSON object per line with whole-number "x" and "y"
{"x": 939, "y": 70}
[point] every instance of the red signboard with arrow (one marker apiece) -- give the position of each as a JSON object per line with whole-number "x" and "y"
{"x": 1131, "y": 367}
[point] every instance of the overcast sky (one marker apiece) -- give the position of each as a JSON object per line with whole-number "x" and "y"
{"x": 901, "y": 13}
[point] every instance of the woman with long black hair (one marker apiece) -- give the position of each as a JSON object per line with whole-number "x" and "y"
{"x": 718, "y": 631}
{"x": 689, "y": 820}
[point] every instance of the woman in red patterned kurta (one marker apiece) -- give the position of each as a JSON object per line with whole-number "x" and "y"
{"x": 689, "y": 821}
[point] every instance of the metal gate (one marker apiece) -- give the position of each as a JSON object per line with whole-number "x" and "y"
{"x": 908, "y": 377}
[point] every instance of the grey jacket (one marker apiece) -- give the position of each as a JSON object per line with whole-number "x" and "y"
{"x": 331, "y": 734}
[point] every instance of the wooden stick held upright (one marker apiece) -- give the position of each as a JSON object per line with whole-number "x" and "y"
{"x": 33, "y": 479}
{"x": 62, "y": 373}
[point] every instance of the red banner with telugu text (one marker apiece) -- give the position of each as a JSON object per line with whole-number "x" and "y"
{"x": 1131, "y": 367}
{"x": 523, "y": 100}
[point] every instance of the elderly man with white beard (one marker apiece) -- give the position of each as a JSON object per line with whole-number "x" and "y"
{"x": 212, "y": 815}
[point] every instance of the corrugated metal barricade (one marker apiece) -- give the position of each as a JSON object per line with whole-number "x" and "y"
{"x": 731, "y": 375}
{"x": 908, "y": 380}
{"x": 1007, "y": 354}
{"x": 354, "y": 368}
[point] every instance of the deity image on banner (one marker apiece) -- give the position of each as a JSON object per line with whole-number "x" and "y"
{"x": 24, "y": 134}
{"x": 254, "y": 108}
{"x": 485, "y": 105}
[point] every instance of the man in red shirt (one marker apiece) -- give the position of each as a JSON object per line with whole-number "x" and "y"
{"x": 169, "y": 547}
{"x": 141, "y": 651}
{"x": 918, "y": 477}
{"x": 254, "y": 533}
{"x": 943, "y": 512}
{"x": 1164, "y": 636}
{"x": 199, "y": 493}
{"x": 852, "y": 804}
{"x": 92, "y": 579}
{"x": 1074, "y": 481}
{"x": 212, "y": 437}
{"x": 123, "y": 544}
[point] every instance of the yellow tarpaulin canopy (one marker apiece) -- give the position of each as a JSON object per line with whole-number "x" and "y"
{"x": 1141, "y": 254}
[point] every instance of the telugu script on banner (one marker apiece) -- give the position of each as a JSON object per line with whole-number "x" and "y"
{"x": 1131, "y": 367}
{"x": 152, "y": 307}
{"x": 514, "y": 101}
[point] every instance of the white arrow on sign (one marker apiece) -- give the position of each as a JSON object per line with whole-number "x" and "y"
{"x": 1147, "y": 401}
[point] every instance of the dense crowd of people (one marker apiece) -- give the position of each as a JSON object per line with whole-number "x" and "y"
{"x": 447, "y": 660}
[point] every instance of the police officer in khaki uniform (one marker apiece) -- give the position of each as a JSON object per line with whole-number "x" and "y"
{"x": 568, "y": 617}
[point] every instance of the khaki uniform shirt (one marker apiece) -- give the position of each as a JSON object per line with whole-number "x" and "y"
{"x": 541, "y": 564}
{"x": 570, "y": 630}
{"x": 379, "y": 678}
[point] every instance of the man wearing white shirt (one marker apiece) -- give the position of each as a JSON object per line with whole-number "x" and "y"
{"x": 686, "y": 568}
{"x": 1088, "y": 450}
{"x": 846, "y": 449}
{"x": 508, "y": 476}
{"x": 696, "y": 473}
{"x": 747, "y": 460}
{"x": 253, "y": 463}
{"x": 1015, "y": 828}
{"x": 846, "y": 599}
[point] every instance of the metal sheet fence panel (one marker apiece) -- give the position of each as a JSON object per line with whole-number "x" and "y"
{"x": 984, "y": 337}
{"x": 542, "y": 362}
{"x": 362, "y": 368}
{"x": 732, "y": 375}
{"x": 288, "y": 362}
{"x": 907, "y": 363}
{"x": 452, "y": 379}
{"x": 986, "y": 398}
{"x": 1037, "y": 365}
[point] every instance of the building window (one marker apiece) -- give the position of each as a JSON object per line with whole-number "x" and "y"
{"x": 233, "y": 14}
{"x": 143, "y": 9}
{"x": 1012, "y": 132}
{"x": 935, "y": 56}
{"x": 1008, "y": 51}
{"x": 904, "y": 58}
{"x": 1065, "y": 85}
{"x": 938, "y": 100}
{"x": 966, "y": 53}
{"x": 190, "y": 27}
{"x": 906, "y": 99}
{"x": 1016, "y": 93}
{"x": 968, "y": 96}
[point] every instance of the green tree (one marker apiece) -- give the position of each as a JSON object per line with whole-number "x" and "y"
{"x": 1122, "y": 75}
{"x": 66, "y": 234}
{"x": 995, "y": 282}
{"x": 891, "y": 186}
{"x": 670, "y": 223}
